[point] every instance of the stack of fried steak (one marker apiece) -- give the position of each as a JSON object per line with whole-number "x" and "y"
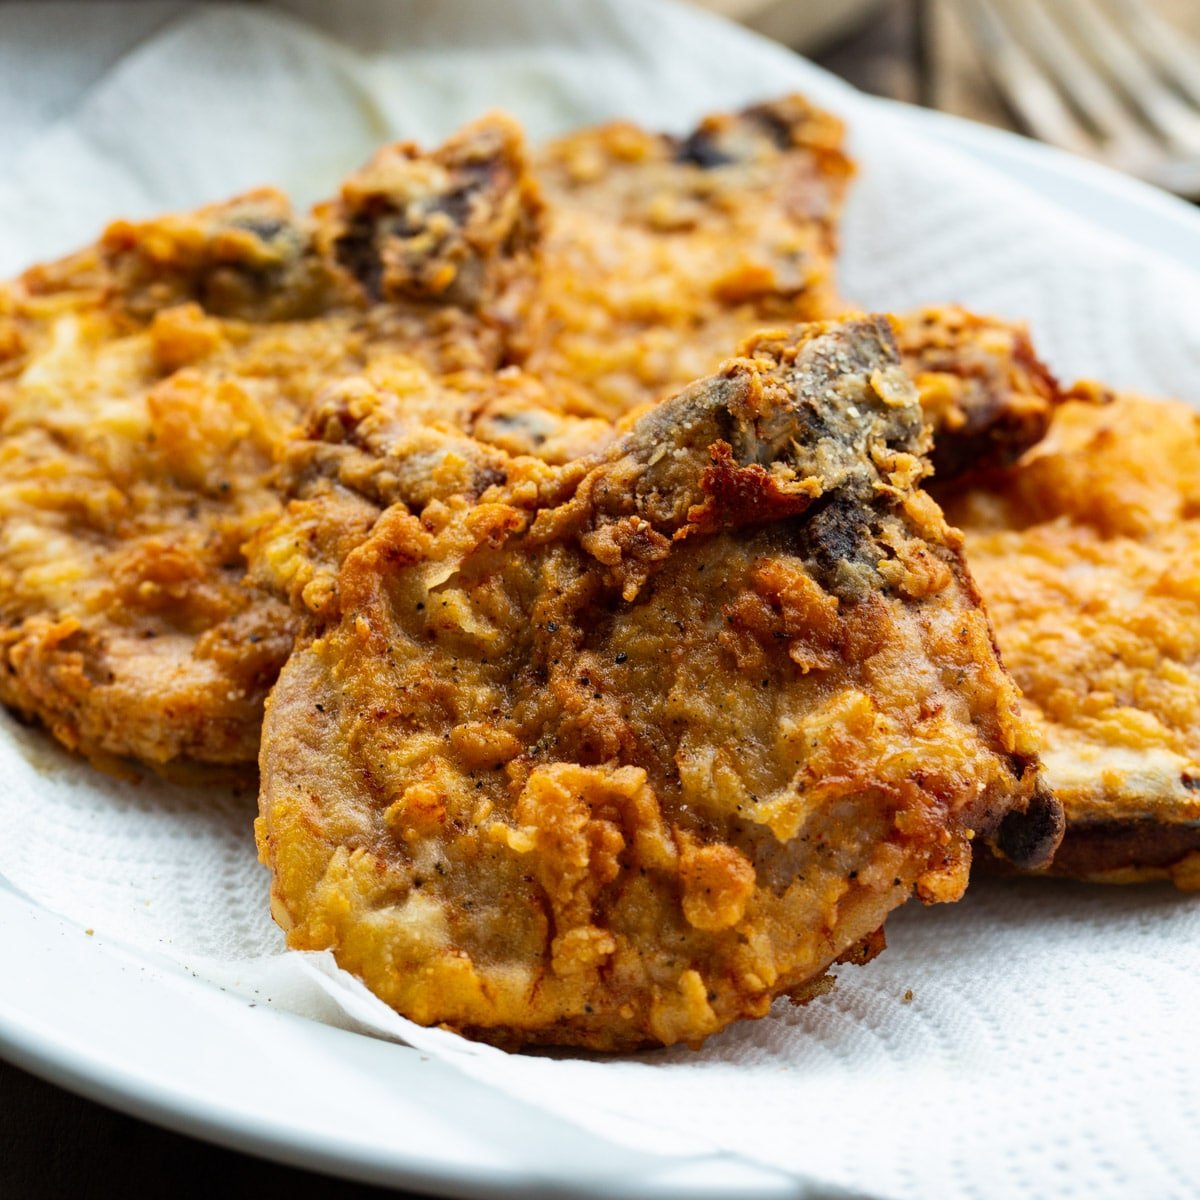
{"x": 588, "y": 557}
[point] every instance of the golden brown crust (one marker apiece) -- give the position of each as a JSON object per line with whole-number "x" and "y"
{"x": 1086, "y": 553}
{"x": 440, "y": 246}
{"x": 147, "y": 386}
{"x": 615, "y": 753}
{"x": 983, "y": 389}
{"x": 663, "y": 253}
{"x": 250, "y": 257}
{"x": 152, "y": 378}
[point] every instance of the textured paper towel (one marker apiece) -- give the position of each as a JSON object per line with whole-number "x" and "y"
{"x": 1051, "y": 1046}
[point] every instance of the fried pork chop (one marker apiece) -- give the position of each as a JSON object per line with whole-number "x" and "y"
{"x": 984, "y": 391}
{"x": 1086, "y": 552}
{"x": 146, "y": 385}
{"x": 663, "y": 253}
{"x": 616, "y": 752}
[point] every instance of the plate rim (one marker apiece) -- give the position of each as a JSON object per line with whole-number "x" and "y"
{"x": 569, "y": 1162}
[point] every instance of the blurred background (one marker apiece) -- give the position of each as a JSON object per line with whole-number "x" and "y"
{"x": 1114, "y": 80}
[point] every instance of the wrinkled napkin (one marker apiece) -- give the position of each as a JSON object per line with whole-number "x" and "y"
{"x": 1049, "y": 1045}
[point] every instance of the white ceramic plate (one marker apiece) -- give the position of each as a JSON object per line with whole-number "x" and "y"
{"x": 119, "y": 1027}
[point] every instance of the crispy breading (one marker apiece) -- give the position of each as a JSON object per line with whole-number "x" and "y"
{"x": 983, "y": 389}
{"x": 146, "y": 387}
{"x": 663, "y": 253}
{"x": 147, "y": 384}
{"x": 616, "y": 752}
{"x": 365, "y": 446}
{"x": 1087, "y": 553}
{"x": 368, "y": 443}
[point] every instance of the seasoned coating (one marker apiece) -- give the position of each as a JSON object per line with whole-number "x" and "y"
{"x": 369, "y": 442}
{"x": 440, "y": 246}
{"x": 146, "y": 387}
{"x": 617, "y": 752}
{"x": 126, "y": 493}
{"x": 1086, "y": 553}
{"x": 148, "y": 382}
{"x": 663, "y": 253}
{"x": 984, "y": 391}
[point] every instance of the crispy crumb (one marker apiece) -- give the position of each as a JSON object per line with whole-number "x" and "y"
{"x": 149, "y": 384}
{"x": 549, "y": 798}
{"x": 1086, "y": 554}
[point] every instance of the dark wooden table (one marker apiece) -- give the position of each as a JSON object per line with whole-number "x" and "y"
{"x": 54, "y": 1144}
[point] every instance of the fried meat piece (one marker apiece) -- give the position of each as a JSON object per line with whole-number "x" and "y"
{"x": 365, "y": 445}
{"x": 614, "y": 753}
{"x": 984, "y": 391}
{"x": 146, "y": 387}
{"x": 663, "y": 253}
{"x": 1086, "y": 553}
{"x": 440, "y": 246}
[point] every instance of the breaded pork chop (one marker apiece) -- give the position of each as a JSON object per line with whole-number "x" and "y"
{"x": 146, "y": 385}
{"x": 984, "y": 391}
{"x": 1086, "y": 552}
{"x": 663, "y": 253}
{"x": 615, "y": 753}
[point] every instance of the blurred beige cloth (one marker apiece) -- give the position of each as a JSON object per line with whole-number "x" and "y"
{"x": 960, "y": 85}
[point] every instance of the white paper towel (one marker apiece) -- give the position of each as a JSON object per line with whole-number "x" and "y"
{"x": 1051, "y": 1044}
